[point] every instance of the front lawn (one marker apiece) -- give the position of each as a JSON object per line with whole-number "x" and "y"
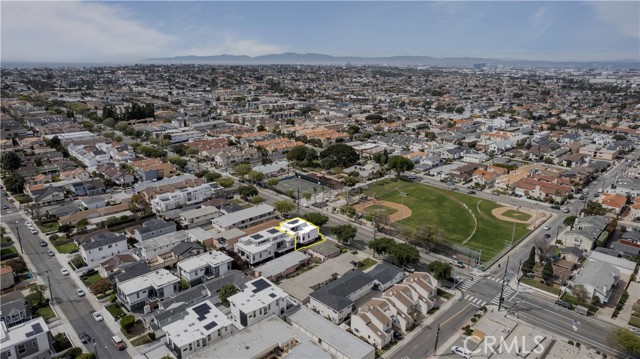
{"x": 444, "y": 294}
{"x": 67, "y": 248}
{"x": 90, "y": 279}
{"x": 49, "y": 227}
{"x": 536, "y": 284}
{"x": 136, "y": 330}
{"x": 23, "y": 198}
{"x": 115, "y": 311}
{"x": 141, "y": 340}
{"x": 46, "y": 313}
{"x": 366, "y": 263}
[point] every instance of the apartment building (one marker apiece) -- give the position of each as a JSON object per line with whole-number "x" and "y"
{"x": 153, "y": 228}
{"x": 30, "y": 339}
{"x": 595, "y": 151}
{"x": 182, "y": 136}
{"x": 259, "y": 299}
{"x": 135, "y": 293}
{"x": 244, "y": 218}
{"x": 264, "y": 245}
{"x": 202, "y": 325}
{"x": 102, "y": 246}
{"x": 153, "y": 169}
{"x": 204, "y": 266}
{"x": 184, "y": 197}
{"x": 198, "y": 217}
{"x": 302, "y": 231}
{"x": 90, "y": 156}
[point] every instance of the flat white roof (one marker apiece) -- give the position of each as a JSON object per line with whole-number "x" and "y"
{"x": 18, "y": 334}
{"x": 213, "y": 259}
{"x": 156, "y": 279}
{"x": 202, "y": 211}
{"x": 200, "y": 320}
{"x": 175, "y": 237}
{"x": 235, "y": 217}
{"x": 280, "y": 264}
{"x": 257, "y": 294}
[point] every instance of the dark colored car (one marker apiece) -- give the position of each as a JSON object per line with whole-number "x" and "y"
{"x": 555, "y": 207}
{"x": 564, "y": 304}
{"x": 84, "y": 337}
{"x": 472, "y": 192}
{"x": 547, "y": 235}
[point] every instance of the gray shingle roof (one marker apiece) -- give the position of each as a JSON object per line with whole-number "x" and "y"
{"x": 334, "y": 295}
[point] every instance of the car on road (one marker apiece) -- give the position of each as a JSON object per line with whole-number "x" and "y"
{"x": 50, "y": 253}
{"x": 34, "y": 231}
{"x": 555, "y": 207}
{"x": 118, "y": 342}
{"x": 460, "y": 351}
{"x": 80, "y": 292}
{"x": 566, "y": 210}
{"x": 564, "y": 304}
{"x": 98, "y": 317}
{"x": 471, "y": 192}
{"x": 5, "y": 207}
{"x": 84, "y": 337}
{"x": 43, "y": 243}
{"x": 581, "y": 198}
{"x": 546, "y": 228}
{"x": 547, "y": 235}
{"x": 596, "y": 195}
{"x": 409, "y": 269}
{"x": 28, "y": 224}
{"x": 64, "y": 271}
{"x": 456, "y": 263}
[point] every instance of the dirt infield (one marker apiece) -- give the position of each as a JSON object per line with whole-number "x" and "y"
{"x": 402, "y": 210}
{"x": 498, "y": 213}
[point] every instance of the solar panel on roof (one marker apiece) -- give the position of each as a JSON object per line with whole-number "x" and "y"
{"x": 256, "y": 236}
{"x": 210, "y": 325}
{"x": 260, "y": 285}
{"x": 294, "y": 221}
{"x": 37, "y": 328}
{"x": 202, "y": 310}
{"x": 273, "y": 231}
{"x": 272, "y": 295}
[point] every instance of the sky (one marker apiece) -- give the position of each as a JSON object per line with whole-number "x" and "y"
{"x": 130, "y": 31}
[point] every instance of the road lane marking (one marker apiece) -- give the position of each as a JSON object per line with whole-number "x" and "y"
{"x": 455, "y": 315}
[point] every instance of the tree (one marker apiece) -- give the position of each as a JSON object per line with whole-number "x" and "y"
{"x": 247, "y": 191}
{"x": 65, "y": 228}
{"x": 100, "y": 286}
{"x": 38, "y": 291}
{"x": 225, "y": 292}
{"x": 344, "y": 233}
{"x": 339, "y": 155}
{"x": 399, "y": 164}
{"x": 299, "y": 153}
{"x": 348, "y": 210}
{"x": 14, "y": 182}
{"x": 441, "y": 270}
{"x": 427, "y": 235}
{"x": 86, "y": 356}
{"x": 629, "y": 341}
{"x": 547, "y": 272}
{"x": 527, "y": 266}
{"x": 211, "y": 176}
{"x": 306, "y": 196}
{"x": 350, "y": 181}
{"x": 82, "y": 224}
{"x": 184, "y": 284}
{"x": 255, "y": 176}
{"x": 543, "y": 248}
{"x": 272, "y": 182}
{"x": 284, "y": 206}
{"x": 17, "y": 265}
{"x": 316, "y": 218}
{"x": 127, "y": 322}
{"x": 581, "y": 293}
{"x": 381, "y": 246}
{"x": 242, "y": 169}
{"x": 10, "y": 161}
{"x": 109, "y": 122}
{"x": 122, "y": 125}
{"x": 569, "y": 221}
{"x": 178, "y": 162}
{"x": 225, "y": 182}
{"x": 404, "y": 254}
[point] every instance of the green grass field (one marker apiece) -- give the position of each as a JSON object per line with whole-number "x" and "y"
{"x": 517, "y": 215}
{"x": 443, "y": 209}
{"x": 67, "y": 248}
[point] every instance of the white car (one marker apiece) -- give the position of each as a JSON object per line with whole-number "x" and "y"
{"x": 64, "y": 271}
{"x": 546, "y": 228}
{"x": 460, "y": 351}
{"x": 34, "y": 231}
{"x": 98, "y": 317}
{"x": 80, "y": 292}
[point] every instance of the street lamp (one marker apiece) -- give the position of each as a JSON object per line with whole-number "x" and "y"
{"x": 402, "y": 196}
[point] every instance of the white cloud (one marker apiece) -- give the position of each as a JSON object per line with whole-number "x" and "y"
{"x": 63, "y": 31}
{"x": 539, "y": 22}
{"x": 230, "y": 45}
{"x": 623, "y": 15}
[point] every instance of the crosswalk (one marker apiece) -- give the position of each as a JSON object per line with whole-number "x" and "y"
{"x": 508, "y": 295}
{"x": 478, "y": 302}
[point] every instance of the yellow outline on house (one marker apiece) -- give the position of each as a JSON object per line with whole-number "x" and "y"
{"x": 295, "y": 240}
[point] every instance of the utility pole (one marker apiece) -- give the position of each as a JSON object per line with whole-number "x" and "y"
{"x": 298, "y": 201}
{"x": 435, "y": 347}
{"x": 19, "y": 238}
{"x": 560, "y": 291}
{"x": 95, "y": 348}
{"x": 50, "y": 290}
{"x": 504, "y": 277}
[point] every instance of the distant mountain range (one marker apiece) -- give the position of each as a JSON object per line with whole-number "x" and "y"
{"x": 290, "y": 58}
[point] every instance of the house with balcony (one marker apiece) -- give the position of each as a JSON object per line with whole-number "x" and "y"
{"x": 137, "y": 292}
{"x": 204, "y": 266}
{"x": 586, "y": 232}
{"x": 184, "y": 197}
{"x": 598, "y": 278}
{"x": 244, "y": 218}
{"x": 263, "y": 246}
{"x": 31, "y": 339}
{"x": 157, "y": 246}
{"x": 198, "y": 217}
{"x": 13, "y": 309}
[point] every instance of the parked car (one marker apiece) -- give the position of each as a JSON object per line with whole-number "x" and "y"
{"x": 581, "y": 198}
{"x": 409, "y": 269}
{"x": 546, "y": 228}
{"x": 5, "y": 207}
{"x": 98, "y": 317}
{"x": 80, "y": 292}
{"x": 43, "y": 243}
{"x": 472, "y": 192}
{"x": 50, "y": 253}
{"x": 564, "y": 304}
{"x": 460, "y": 351}
{"x": 34, "y": 231}
{"x": 566, "y": 210}
{"x": 84, "y": 337}
{"x": 547, "y": 235}
{"x": 118, "y": 342}
{"x": 555, "y": 207}
{"x": 456, "y": 263}
{"x": 28, "y": 224}
{"x": 64, "y": 271}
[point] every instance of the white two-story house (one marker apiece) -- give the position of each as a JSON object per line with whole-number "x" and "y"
{"x": 102, "y": 247}
{"x": 258, "y": 300}
{"x": 204, "y": 266}
{"x": 137, "y": 292}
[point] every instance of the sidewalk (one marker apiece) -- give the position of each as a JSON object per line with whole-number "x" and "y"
{"x": 427, "y": 322}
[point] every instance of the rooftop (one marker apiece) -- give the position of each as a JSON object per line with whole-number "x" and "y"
{"x": 156, "y": 279}
{"x": 213, "y": 259}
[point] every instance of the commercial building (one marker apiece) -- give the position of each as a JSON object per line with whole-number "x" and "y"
{"x": 137, "y": 292}
{"x": 203, "y": 325}
{"x": 204, "y": 266}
